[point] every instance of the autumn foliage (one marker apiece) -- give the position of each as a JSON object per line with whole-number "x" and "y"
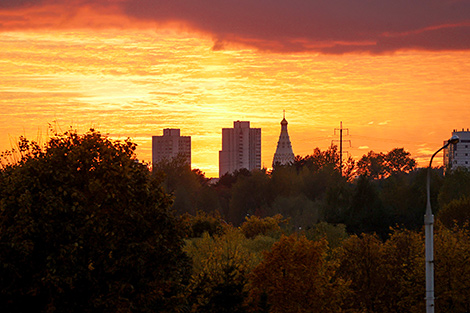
{"x": 85, "y": 227}
{"x": 295, "y": 276}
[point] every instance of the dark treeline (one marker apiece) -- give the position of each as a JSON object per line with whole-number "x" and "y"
{"x": 85, "y": 227}
{"x": 369, "y": 196}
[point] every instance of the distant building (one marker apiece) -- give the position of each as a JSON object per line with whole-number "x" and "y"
{"x": 284, "y": 154}
{"x": 170, "y": 145}
{"x": 241, "y": 148}
{"x": 459, "y": 154}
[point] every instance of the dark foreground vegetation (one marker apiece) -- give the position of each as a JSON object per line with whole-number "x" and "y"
{"x": 85, "y": 227}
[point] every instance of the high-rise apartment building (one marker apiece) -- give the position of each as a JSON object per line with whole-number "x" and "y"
{"x": 459, "y": 154}
{"x": 241, "y": 148}
{"x": 284, "y": 154}
{"x": 170, "y": 145}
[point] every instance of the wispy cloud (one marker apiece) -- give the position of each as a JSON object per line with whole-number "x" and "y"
{"x": 335, "y": 26}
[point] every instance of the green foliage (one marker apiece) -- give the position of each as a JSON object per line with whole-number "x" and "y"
{"x": 254, "y": 226}
{"x": 404, "y": 197}
{"x": 196, "y": 226}
{"x": 457, "y": 212}
{"x": 180, "y": 181}
{"x": 455, "y": 186}
{"x": 85, "y": 227}
{"x": 284, "y": 182}
{"x": 337, "y": 201}
{"x": 259, "y": 244}
{"x": 333, "y": 234}
{"x": 249, "y": 196}
{"x": 221, "y": 264}
{"x": 366, "y": 213}
{"x": 303, "y": 212}
{"x": 452, "y": 275}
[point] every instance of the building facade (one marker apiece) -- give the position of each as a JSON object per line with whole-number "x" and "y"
{"x": 284, "y": 154}
{"x": 241, "y": 148}
{"x": 459, "y": 154}
{"x": 171, "y": 145}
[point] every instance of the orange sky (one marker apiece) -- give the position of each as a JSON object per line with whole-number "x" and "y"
{"x": 84, "y": 71}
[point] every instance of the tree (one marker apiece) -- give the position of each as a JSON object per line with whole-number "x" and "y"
{"x": 452, "y": 269}
{"x": 254, "y": 226}
{"x": 295, "y": 276}
{"x": 360, "y": 260}
{"x": 221, "y": 264}
{"x": 249, "y": 196}
{"x": 385, "y": 277}
{"x": 85, "y": 227}
{"x": 456, "y": 212}
{"x": 321, "y": 159}
{"x": 184, "y": 184}
{"x": 404, "y": 272}
{"x": 366, "y": 213}
{"x": 399, "y": 161}
{"x": 455, "y": 186}
{"x": 334, "y": 234}
{"x": 196, "y": 226}
{"x": 404, "y": 196}
{"x": 379, "y": 165}
{"x": 371, "y": 165}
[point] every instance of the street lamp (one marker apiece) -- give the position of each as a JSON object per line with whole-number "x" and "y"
{"x": 428, "y": 235}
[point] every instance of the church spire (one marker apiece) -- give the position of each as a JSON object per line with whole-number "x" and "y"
{"x": 284, "y": 154}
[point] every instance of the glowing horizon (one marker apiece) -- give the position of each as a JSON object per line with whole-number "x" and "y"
{"x": 135, "y": 83}
{"x": 395, "y": 75}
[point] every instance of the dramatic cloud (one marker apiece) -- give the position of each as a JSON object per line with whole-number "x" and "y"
{"x": 328, "y": 26}
{"x": 18, "y": 3}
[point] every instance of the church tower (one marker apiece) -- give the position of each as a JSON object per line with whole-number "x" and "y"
{"x": 284, "y": 154}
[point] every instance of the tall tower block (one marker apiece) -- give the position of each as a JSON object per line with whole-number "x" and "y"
{"x": 241, "y": 148}
{"x": 171, "y": 145}
{"x": 284, "y": 154}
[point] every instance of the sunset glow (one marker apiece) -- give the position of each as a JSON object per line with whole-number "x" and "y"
{"x": 137, "y": 79}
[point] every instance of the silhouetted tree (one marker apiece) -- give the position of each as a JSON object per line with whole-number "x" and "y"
{"x": 456, "y": 184}
{"x": 399, "y": 161}
{"x": 371, "y": 165}
{"x": 366, "y": 213}
{"x": 85, "y": 227}
{"x": 379, "y": 165}
{"x": 456, "y": 212}
{"x": 249, "y": 196}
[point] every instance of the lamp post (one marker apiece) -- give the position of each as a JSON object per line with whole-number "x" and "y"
{"x": 428, "y": 234}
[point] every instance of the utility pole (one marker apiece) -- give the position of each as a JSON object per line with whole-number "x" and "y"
{"x": 341, "y": 144}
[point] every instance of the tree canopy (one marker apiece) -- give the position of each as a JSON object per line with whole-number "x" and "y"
{"x": 380, "y": 165}
{"x": 85, "y": 227}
